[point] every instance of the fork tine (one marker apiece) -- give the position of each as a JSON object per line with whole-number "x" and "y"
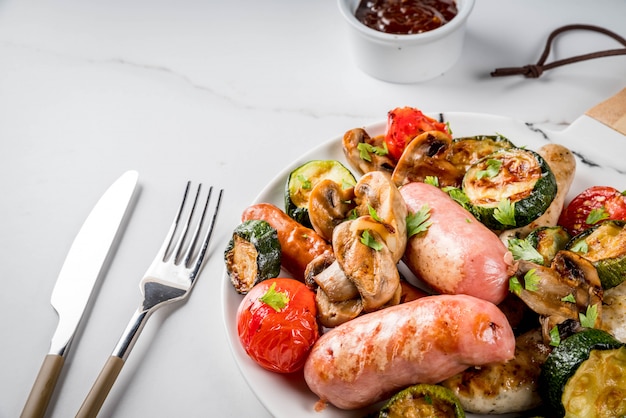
{"x": 169, "y": 238}
{"x": 194, "y": 240}
{"x": 183, "y": 235}
{"x": 208, "y": 234}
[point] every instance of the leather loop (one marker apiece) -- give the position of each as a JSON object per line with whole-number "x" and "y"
{"x": 535, "y": 71}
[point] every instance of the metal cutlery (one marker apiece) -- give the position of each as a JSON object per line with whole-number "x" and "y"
{"x": 72, "y": 291}
{"x": 169, "y": 279}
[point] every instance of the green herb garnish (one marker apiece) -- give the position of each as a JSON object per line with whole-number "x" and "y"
{"x": 365, "y": 150}
{"x": 555, "y": 337}
{"x": 418, "y": 222}
{"x": 531, "y": 280}
{"x": 505, "y": 212}
{"x": 276, "y": 300}
{"x": 580, "y": 247}
{"x": 432, "y": 180}
{"x": 305, "y": 183}
{"x": 492, "y": 169}
{"x": 588, "y": 319}
{"x": 374, "y": 214}
{"x": 523, "y": 250}
{"x": 515, "y": 286}
{"x": 597, "y": 215}
{"x": 370, "y": 241}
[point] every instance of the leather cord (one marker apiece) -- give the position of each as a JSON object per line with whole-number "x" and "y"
{"x": 535, "y": 70}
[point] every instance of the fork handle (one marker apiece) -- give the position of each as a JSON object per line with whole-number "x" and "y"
{"x": 101, "y": 387}
{"x": 40, "y": 394}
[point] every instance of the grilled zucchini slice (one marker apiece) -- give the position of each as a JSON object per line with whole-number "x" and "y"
{"x": 604, "y": 245}
{"x": 560, "y": 371}
{"x": 252, "y": 255}
{"x": 465, "y": 151}
{"x": 509, "y": 188}
{"x": 598, "y": 387}
{"x": 423, "y": 401}
{"x": 548, "y": 240}
{"x": 303, "y": 179}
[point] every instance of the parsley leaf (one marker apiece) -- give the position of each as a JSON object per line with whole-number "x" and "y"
{"x": 580, "y": 247}
{"x": 345, "y": 185}
{"x": 418, "y": 222}
{"x": 276, "y": 300}
{"x": 492, "y": 169}
{"x": 505, "y": 212}
{"x": 370, "y": 241}
{"x": 432, "y": 180}
{"x": 515, "y": 286}
{"x": 523, "y": 250}
{"x": 531, "y": 280}
{"x": 569, "y": 298}
{"x": 597, "y": 215}
{"x": 555, "y": 337}
{"x": 458, "y": 196}
{"x": 374, "y": 214}
{"x": 366, "y": 149}
{"x": 305, "y": 184}
{"x": 588, "y": 319}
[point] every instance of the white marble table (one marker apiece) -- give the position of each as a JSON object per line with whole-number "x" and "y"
{"x": 220, "y": 92}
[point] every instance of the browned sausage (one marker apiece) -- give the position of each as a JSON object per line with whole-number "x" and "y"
{"x": 430, "y": 339}
{"x": 299, "y": 244}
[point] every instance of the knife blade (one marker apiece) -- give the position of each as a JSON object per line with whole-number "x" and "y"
{"x": 77, "y": 278}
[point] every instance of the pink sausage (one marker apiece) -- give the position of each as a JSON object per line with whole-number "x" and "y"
{"x": 426, "y": 340}
{"x": 457, "y": 254}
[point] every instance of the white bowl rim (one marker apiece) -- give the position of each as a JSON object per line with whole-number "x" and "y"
{"x": 458, "y": 20}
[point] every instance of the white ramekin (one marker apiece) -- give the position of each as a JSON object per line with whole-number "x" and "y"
{"x": 406, "y": 58}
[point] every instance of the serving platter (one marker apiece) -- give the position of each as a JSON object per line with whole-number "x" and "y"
{"x": 599, "y": 152}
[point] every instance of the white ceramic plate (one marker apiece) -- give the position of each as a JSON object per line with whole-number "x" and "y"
{"x": 288, "y": 396}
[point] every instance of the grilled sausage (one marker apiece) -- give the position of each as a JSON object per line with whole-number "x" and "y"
{"x": 457, "y": 254}
{"x": 423, "y": 341}
{"x": 299, "y": 244}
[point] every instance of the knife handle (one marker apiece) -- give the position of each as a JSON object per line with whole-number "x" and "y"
{"x": 46, "y": 380}
{"x": 101, "y": 387}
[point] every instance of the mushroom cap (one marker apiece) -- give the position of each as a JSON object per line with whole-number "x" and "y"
{"x": 374, "y": 272}
{"x": 427, "y": 155}
{"x": 329, "y": 205}
{"x": 375, "y": 191}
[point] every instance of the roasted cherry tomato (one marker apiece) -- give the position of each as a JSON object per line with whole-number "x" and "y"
{"x": 593, "y": 205}
{"x": 276, "y": 323}
{"x": 404, "y": 124}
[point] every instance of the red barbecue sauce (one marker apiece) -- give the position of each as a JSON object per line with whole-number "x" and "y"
{"x": 405, "y": 16}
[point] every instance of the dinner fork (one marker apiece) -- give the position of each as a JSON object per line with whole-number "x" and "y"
{"x": 169, "y": 279}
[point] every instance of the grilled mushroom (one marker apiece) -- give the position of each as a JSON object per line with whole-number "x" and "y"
{"x": 562, "y": 291}
{"x": 325, "y": 272}
{"x": 366, "y": 153}
{"x": 329, "y": 205}
{"x": 330, "y": 314}
{"x": 373, "y": 270}
{"x": 360, "y": 275}
{"x": 427, "y": 155}
{"x": 376, "y": 194}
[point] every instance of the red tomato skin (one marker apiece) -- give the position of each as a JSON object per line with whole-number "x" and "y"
{"x": 278, "y": 341}
{"x": 573, "y": 218}
{"x": 404, "y": 124}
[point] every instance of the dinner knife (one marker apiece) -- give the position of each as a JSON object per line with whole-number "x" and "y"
{"x": 78, "y": 275}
